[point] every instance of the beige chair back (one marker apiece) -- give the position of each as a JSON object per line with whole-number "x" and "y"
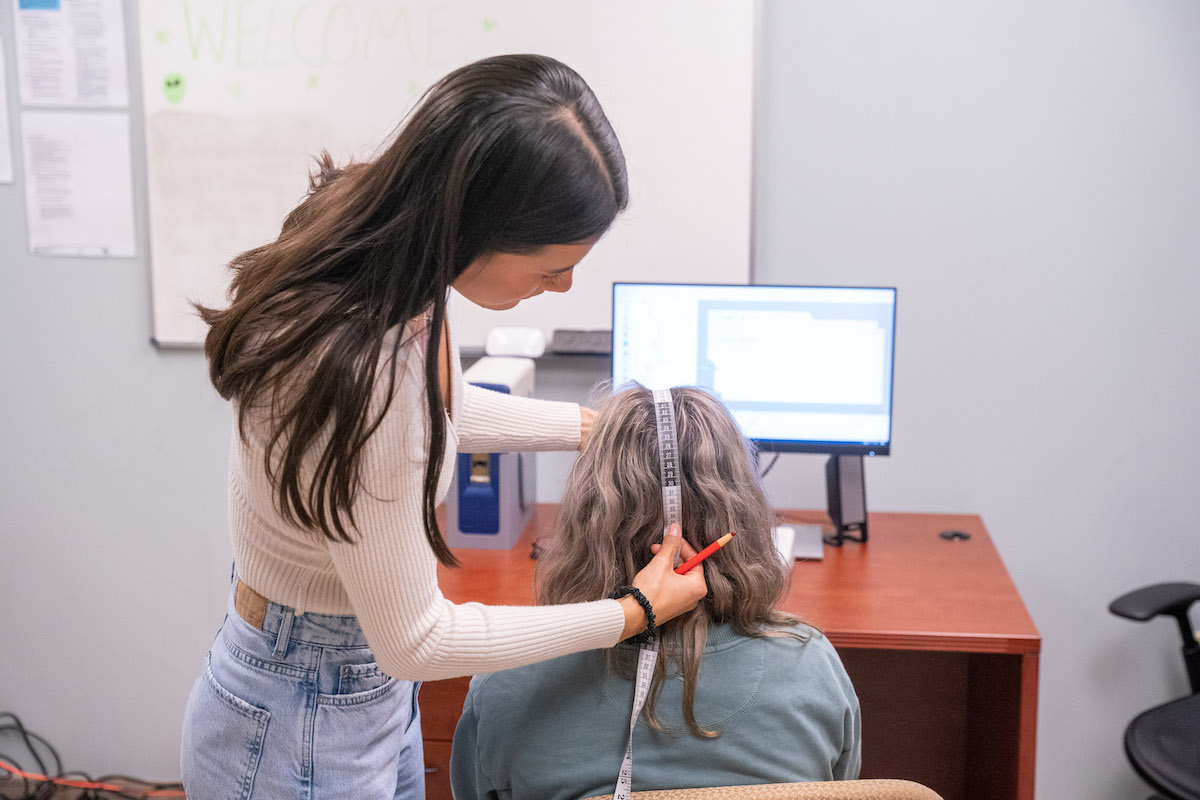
{"x": 872, "y": 789}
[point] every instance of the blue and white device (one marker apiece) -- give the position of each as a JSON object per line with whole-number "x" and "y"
{"x": 493, "y": 494}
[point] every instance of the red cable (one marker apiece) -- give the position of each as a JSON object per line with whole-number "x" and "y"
{"x": 33, "y": 776}
{"x": 107, "y": 787}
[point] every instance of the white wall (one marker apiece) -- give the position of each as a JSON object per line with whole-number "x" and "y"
{"x": 1026, "y": 173}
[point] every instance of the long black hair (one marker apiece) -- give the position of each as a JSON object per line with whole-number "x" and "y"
{"x": 504, "y": 155}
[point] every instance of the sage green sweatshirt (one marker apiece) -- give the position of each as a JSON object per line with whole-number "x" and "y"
{"x": 785, "y": 709}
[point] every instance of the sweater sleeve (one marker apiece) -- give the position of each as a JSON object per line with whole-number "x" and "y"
{"x": 496, "y": 422}
{"x": 849, "y": 762}
{"x": 468, "y": 780}
{"x": 389, "y": 573}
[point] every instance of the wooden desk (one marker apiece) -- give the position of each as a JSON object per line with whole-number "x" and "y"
{"x": 941, "y": 650}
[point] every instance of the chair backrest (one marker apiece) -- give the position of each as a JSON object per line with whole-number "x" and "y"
{"x": 871, "y": 789}
{"x": 1163, "y": 743}
{"x": 1170, "y": 600}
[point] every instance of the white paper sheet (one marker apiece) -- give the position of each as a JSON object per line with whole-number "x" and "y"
{"x": 78, "y": 183}
{"x": 6, "y": 158}
{"x": 71, "y": 53}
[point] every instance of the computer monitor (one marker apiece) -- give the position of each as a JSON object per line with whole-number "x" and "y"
{"x": 802, "y": 368}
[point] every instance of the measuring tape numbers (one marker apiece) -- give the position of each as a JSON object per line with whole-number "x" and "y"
{"x": 668, "y": 471}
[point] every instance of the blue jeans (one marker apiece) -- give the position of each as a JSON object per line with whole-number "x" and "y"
{"x": 299, "y": 710}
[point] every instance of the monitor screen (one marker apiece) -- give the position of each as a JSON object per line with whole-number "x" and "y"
{"x": 802, "y": 368}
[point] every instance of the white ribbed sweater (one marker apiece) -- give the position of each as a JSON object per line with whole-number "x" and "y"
{"x": 388, "y": 576}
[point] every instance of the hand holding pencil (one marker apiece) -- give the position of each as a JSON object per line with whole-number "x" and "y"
{"x": 670, "y": 594}
{"x": 686, "y": 566}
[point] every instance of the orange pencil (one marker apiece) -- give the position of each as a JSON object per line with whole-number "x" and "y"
{"x": 683, "y": 568}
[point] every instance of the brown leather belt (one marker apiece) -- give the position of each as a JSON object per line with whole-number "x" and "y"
{"x": 249, "y": 604}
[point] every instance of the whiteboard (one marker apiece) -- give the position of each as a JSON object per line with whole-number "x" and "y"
{"x": 240, "y": 94}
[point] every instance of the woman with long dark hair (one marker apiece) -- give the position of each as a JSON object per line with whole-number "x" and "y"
{"x": 741, "y": 693}
{"x": 349, "y": 400}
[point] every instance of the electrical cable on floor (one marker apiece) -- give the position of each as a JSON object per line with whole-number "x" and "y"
{"x": 5, "y": 776}
{"x": 47, "y": 784}
{"x": 29, "y": 738}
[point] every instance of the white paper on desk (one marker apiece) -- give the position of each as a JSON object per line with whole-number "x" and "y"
{"x": 6, "y": 153}
{"x": 78, "y": 183}
{"x": 71, "y": 53}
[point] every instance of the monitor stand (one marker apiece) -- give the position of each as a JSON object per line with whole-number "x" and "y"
{"x": 845, "y": 486}
{"x": 799, "y": 541}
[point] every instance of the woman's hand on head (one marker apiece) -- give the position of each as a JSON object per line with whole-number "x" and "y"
{"x": 586, "y": 418}
{"x": 669, "y": 594}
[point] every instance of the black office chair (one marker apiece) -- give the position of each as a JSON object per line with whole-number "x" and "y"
{"x": 1163, "y": 743}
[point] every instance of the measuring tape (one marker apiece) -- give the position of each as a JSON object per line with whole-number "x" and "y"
{"x": 668, "y": 473}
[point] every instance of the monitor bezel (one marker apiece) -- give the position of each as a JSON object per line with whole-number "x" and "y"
{"x": 793, "y": 445}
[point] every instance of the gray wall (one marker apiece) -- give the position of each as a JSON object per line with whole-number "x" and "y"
{"x": 1026, "y": 173}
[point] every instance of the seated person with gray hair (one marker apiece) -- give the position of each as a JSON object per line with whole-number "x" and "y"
{"x": 741, "y": 693}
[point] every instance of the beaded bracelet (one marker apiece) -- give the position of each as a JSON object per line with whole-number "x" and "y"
{"x": 651, "y": 631}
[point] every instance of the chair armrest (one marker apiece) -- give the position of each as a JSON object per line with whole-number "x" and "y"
{"x": 1159, "y": 598}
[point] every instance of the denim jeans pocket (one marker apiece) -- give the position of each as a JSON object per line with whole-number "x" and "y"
{"x": 355, "y": 678}
{"x": 378, "y": 694}
{"x": 368, "y": 744}
{"x": 222, "y": 741}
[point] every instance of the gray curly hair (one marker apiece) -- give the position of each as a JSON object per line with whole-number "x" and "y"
{"x": 612, "y": 512}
